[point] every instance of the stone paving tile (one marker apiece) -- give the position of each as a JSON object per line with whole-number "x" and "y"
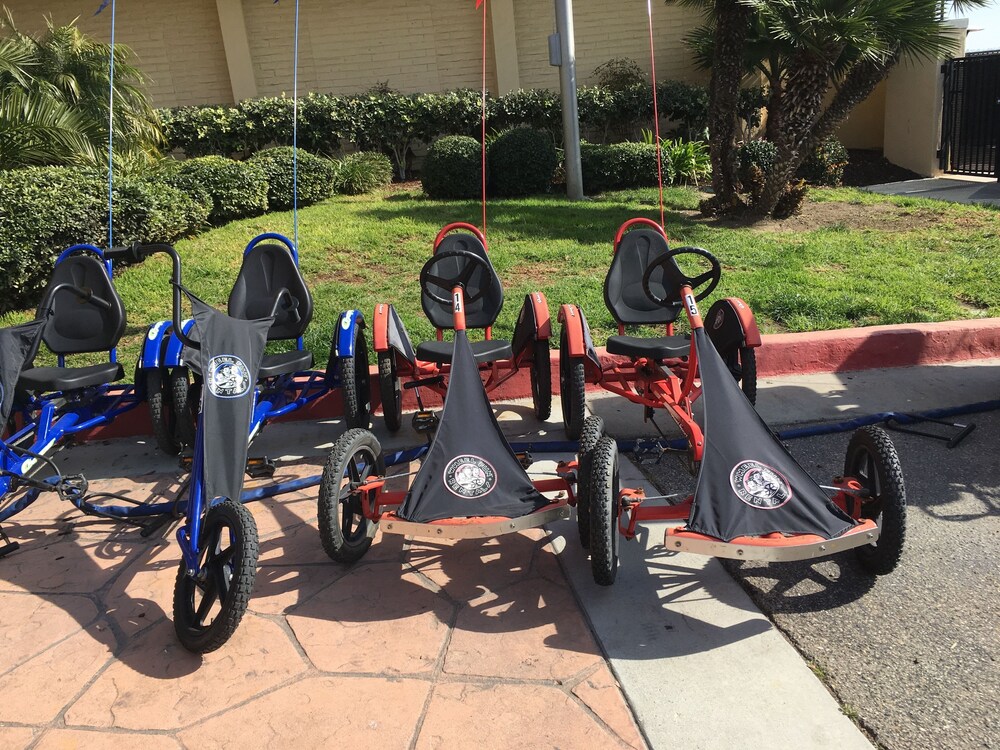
{"x": 143, "y": 594}
{"x": 469, "y": 567}
{"x": 16, "y": 738}
{"x": 156, "y": 684}
{"x": 603, "y": 695}
{"x": 509, "y": 716}
{"x": 79, "y": 739}
{"x": 32, "y": 624}
{"x": 37, "y": 691}
{"x": 332, "y": 712}
{"x": 376, "y": 618}
{"x": 531, "y": 630}
{"x": 279, "y": 589}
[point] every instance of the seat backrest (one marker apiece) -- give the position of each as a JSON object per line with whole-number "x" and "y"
{"x": 481, "y": 313}
{"x": 76, "y": 326}
{"x": 623, "y": 292}
{"x": 266, "y": 270}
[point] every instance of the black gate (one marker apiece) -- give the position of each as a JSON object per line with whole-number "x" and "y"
{"x": 970, "y": 132}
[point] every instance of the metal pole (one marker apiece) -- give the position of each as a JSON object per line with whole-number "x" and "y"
{"x": 567, "y": 84}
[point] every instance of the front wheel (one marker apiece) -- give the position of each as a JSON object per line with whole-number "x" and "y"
{"x": 593, "y": 430}
{"x": 355, "y": 383}
{"x": 161, "y": 412}
{"x": 541, "y": 380}
{"x": 185, "y": 396}
{"x": 345, "y": 531}
{"x": 873, "y": 461}
{"x": 390, "y": 390}
{"x": 208, "y": 606}
{"x": 742, "y": 363}
{"x": 572, "y": 389}
{"x": 604, "y": 509}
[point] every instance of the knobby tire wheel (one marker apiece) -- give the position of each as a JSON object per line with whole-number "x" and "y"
{"x": 604, "y": 507}
{"x": 161, "y": 412}
{"x": 391, "y": 391}
{"x": 344, "y": 530}
{"x": 572, "y": 389}
{"x": 593, "y": 430}
{"x": 541, "y": 380}
{"x": 208, "y": 607}
{"x": 873, "y": 461}
{"x": 354, "y": 382}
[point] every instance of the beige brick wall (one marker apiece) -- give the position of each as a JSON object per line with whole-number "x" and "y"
{"x": 178, "y": 43}
{"x": 605, "y": 30}
{"x": 346, "y": 47}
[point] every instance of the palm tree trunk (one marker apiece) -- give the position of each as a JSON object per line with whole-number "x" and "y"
{"x": 855, "y": 88}
{"x": 731, "y": 26}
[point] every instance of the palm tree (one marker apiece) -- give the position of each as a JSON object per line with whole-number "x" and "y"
{"x": 55, "y": 92}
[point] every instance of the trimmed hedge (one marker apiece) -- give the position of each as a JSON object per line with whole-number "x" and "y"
{"x": 44, "y": 210}
{"x": 238, "y": 189}
{"x": 315, "y": 176}
{"x": 521, "y": 162}
{"x": 453, "y": 168}
{"x": 619, "y": 166}
{"x": 362, "y": 172}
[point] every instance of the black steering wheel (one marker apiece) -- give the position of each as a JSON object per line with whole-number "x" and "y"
{"x": 677, "y": 278}
{"x": 429, "y": 280}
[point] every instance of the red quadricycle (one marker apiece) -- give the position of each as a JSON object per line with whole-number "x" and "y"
{"x": 470, "y": 483}
{"x": 752, "y": 500}
{"x": 642, "y": 288}
{"x": 460, "y": 258}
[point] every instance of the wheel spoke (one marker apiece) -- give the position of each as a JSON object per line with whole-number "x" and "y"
{"x": 699, "y": 280}
{"x": 207, "y": 600}
{"x": 222, "y": 576}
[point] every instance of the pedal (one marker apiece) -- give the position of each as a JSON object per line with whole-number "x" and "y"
{"x": 8, "y": 546}
{"x": 425, "y": 422}
{"x": 261, "y": 468}
{"x": 185, "y": 463}
{"x": 434, "y": 380}
{"x": 524, "y": 458}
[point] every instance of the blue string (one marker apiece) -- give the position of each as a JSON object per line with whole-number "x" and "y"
{"x": 295, "y": 133}
{"x": 111, "y": 131}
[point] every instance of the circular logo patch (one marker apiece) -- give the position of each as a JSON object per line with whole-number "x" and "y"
{"x": 228, "y": 377}
{"x": 759, "y": 486}
{"x": 470, "y": 477}
{"x": 720, "y": 318}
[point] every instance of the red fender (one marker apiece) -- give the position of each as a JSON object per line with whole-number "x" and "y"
{"x": 572, "y": 322}
{"x": 751, "y": 332}
{"x": 543, "y": 324}
{"x": 380, "y": 327}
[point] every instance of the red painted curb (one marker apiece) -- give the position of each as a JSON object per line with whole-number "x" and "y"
{"x": 781, "y": 354}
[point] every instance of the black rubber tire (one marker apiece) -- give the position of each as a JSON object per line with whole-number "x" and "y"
{"x": 161, "y": 412}
{"x": 572, "y": 389}
{"x": 391, "y": 391}
{"x": 541, "y": 380}
{"x": 743, "y": 364}
{"x": 235, "y": 567}
{"x": 181, "y": 392}
{"x": 344, "y": 539}
{"x": 593, "y": 430}
{"x": 355, "y": 384}
{"x": 604, "y": 507}
{"x": 873, "y": 461}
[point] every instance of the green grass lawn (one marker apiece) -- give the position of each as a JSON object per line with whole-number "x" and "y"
{"x": 851, "y": 259}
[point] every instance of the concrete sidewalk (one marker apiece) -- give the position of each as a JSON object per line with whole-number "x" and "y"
{"x": 420, "y": 645}
{"x": 984, "y": 190}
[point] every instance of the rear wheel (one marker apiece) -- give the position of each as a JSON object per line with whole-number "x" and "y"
{"x": 742, "y": 363}
{"x": 593, "y": 430}
{"x": 541, "y": 380}
{"x": 161, "y": 412}
{"x": 390, "y": 390}
{"x": 873, "y": 461}
{"x": 345, "y": 531}
{"x": 355, "y": 383}
{"x": 184, "y": 395}
{"x": 572, "y": 389}
{"x": 604, "y": 508}
{"x": 208, "y": 606}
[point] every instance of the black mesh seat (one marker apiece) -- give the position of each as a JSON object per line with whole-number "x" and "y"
{"x": 623, "y": 292}
{"x": 284, "y": 363}
{"x": 45, "y": 379}
{"x": 484, "y": 351}
{"x": 663, "y": 347}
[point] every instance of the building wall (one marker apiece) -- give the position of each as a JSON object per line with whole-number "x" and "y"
{"x": 865, "y": 126}
{"x": 178, "y": 43}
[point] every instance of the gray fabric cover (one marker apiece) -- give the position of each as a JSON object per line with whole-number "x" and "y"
{"x": 18, "y": 345}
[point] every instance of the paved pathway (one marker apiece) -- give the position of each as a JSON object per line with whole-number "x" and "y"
{"x": 985, "y": 190}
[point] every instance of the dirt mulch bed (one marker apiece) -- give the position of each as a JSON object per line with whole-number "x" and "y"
{"x": 872, "y": 168}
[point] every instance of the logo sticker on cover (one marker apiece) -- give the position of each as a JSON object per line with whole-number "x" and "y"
{"x": 759, "y": 486}
{"x": 470, "y": 477}
{"x": 228, "y": 376}
{"x": 719, "y": 320}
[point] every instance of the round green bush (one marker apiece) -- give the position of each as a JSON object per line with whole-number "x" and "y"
{"x": 238, "y": 188}
{"x": 453, "y": 168}
{"x": 521, "y": 162}
{"x": 621, "y": 165}
{"x": 315, "y": 176}
{"x": 362, "y": 172}
{"x": 825, "y": 165}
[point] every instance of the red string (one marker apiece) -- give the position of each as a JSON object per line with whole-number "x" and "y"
{"x": 656, "y": 110}
{"x": 484, "y": 118}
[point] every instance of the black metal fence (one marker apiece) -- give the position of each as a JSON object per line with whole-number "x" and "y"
{"x": 970, "y": 131}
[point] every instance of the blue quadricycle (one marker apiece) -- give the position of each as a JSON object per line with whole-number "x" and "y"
{"x": 269, "y": 279}
{"x": 43, "y": 407}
